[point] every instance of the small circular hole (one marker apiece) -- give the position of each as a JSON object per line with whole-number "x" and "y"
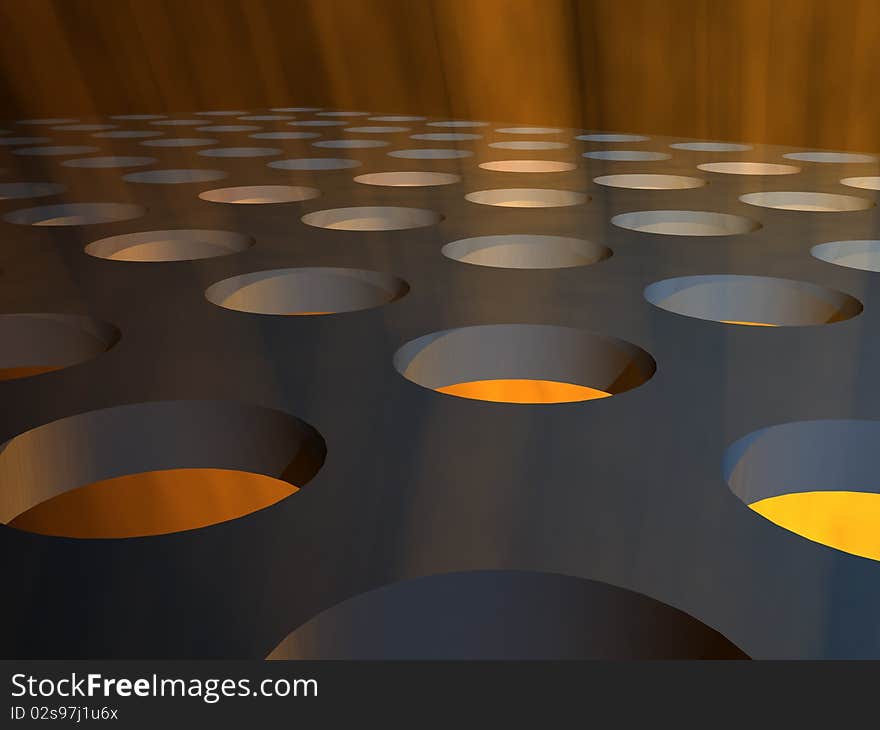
{"x": 174, "y": 177}
{"x": 748, "y": 168}
{"x": 171, "y": 245}
{"x": 314, "y": 163}
{"x": 109, "y": 162}
{"x": 650, "y": 182}
{"x": 685, "y": 223}
{"x": 260, "y": 194}
{"x": 430, "y": 154}
{"x": 408, "y": 179}
{"x": 711, "y": 146}
{"x": 75, "y": 214}
{"x": 527, "y": 198}
{"x": 815, "y": 202}
{"x": 12, "y": 191}
{"x": 626, "y": 155}
{"x": 864, "y": 255}
{"x": 372, "y": 218}
{"x": 240, "y": 152}
{"x": 829, "y": 157}
{"x": 612, "y": 138}
{"x": 531, "y": 144}
{"x": 533, "y": 166}
{"x": 522, "y": 251}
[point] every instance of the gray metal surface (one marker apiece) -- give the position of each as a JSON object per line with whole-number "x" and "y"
{"x": 628, "y": 490}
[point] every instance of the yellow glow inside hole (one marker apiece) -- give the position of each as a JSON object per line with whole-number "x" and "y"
{"x": 518, "y": 390}
{"x": 847, "y": 521}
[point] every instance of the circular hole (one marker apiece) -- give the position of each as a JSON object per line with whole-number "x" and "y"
{"x": 56, "y": 150}
{"x": 127, "y": 134}
{"x": 524, "y": 363}
{"x": 650, "y": 182}
{"x": 86, "y": 127}
{"x": 179, "y": 122}
{"x": 816, "y": 202}
{"x": 536, "y": 166}
{"x": 685, "y": 223}
{"x": 626, "y": 155}
{"x": 529, "y": 130}
{"x": 221, "y": 113}
{"x": 430, "y": 154}
{"x": 306, "y": 291}
{"x": 40, "y": 343}
{"x": 93, "y": 162}
{"x": 522, "y": 251}
{"x": 752, "y": 300}
{"x": 527, "y": 197}
{"x": 265, "y": 118}
{"x": 180, "y": 142}
{"x": 260, "y": 194}
{"x": 75, "y": 214}
{"x": 315, "y": 163}
{"x": 711, "y": 146}
{"x": 47, "y": 121}
{"x": 748, "y": 168}
{"x": 296, "y": 109}
{"x": 317, "y": 123}
{"x": 408, "y": 179}
{"x": 372, "y": 218}
{"x": 138, "y": 117}
{"x": 843, "y": 157}
{"x": 446, "y": 136}
{"x": 11, "y": 191}
{"x": 612, "y": 138}
{"x": 240, "y": 152}
{"x": 864, "y": 255}
{"x": 503, "y": 615}
{"x": 11, "y": 141}
{"x": 229, "y": 128}
{"x": 816, "y": 479}
{"x": 154, "y": 468}
{"x": 174, "y": 177}
{"x": 376, "y": 130}
{"x": 342, "y": 114}
{"x": 532, "y": 144}
{"x": 397, "y": 118}
{"x": 171, "y": 245}
{"x": 354, "y": 144}
{"x": 285, "y": 135}
{"x": 866, "y": 183}
{"x": 458, "y": 124}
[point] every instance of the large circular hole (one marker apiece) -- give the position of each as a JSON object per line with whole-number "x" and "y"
{"x": 606, "y": 137}
{"x": 761, "y": 301}
{"x": 174, "y": 177}
{"x": 524, "y": 363}
{"x": 352, "y": 144}
{"x": 650, "y": 182}
{"x": 180, "y": 142}
{"x": 75, "y": 214}
{"x": 372, "y": 218}
{"x": 533, "y": 166}
{"x": 39, "y": 343}
{"x": 829, "y": 157}
{"x": 626, "y": 155}
{"x": 531, "y": 144}
{"x": 315, "y": 163}
{"x": 817, "y": 479}
{"x": 523, "y": 251}
{"x": 55, "y": 151}
{"x": 865, "y": 183}
{"x": 864, "y": 255}
{"x": 171, "y": 245}
{"x": 306, "y": 291}
{"x": 408, "y": 179}
{"x": 711, "y": 146}
{"x": 154, "y": 468}
{"x": 685, "y": 223}
{"x": 446, "y": 136}
{"x": 260, "y": 194}
{"x": 240, "y": 152}
{"x": 748, "y": 168}
{"x": 109, "y": 162}
{"x": 11, "y": 191}
{"x": 815, "y": 202}
{"x": 503, "y": 615}
{"x": 430, "y": 154}
{"x": 527, "y": 198}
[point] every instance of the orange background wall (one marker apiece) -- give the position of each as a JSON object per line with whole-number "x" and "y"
{"x": 800, "y": 72}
